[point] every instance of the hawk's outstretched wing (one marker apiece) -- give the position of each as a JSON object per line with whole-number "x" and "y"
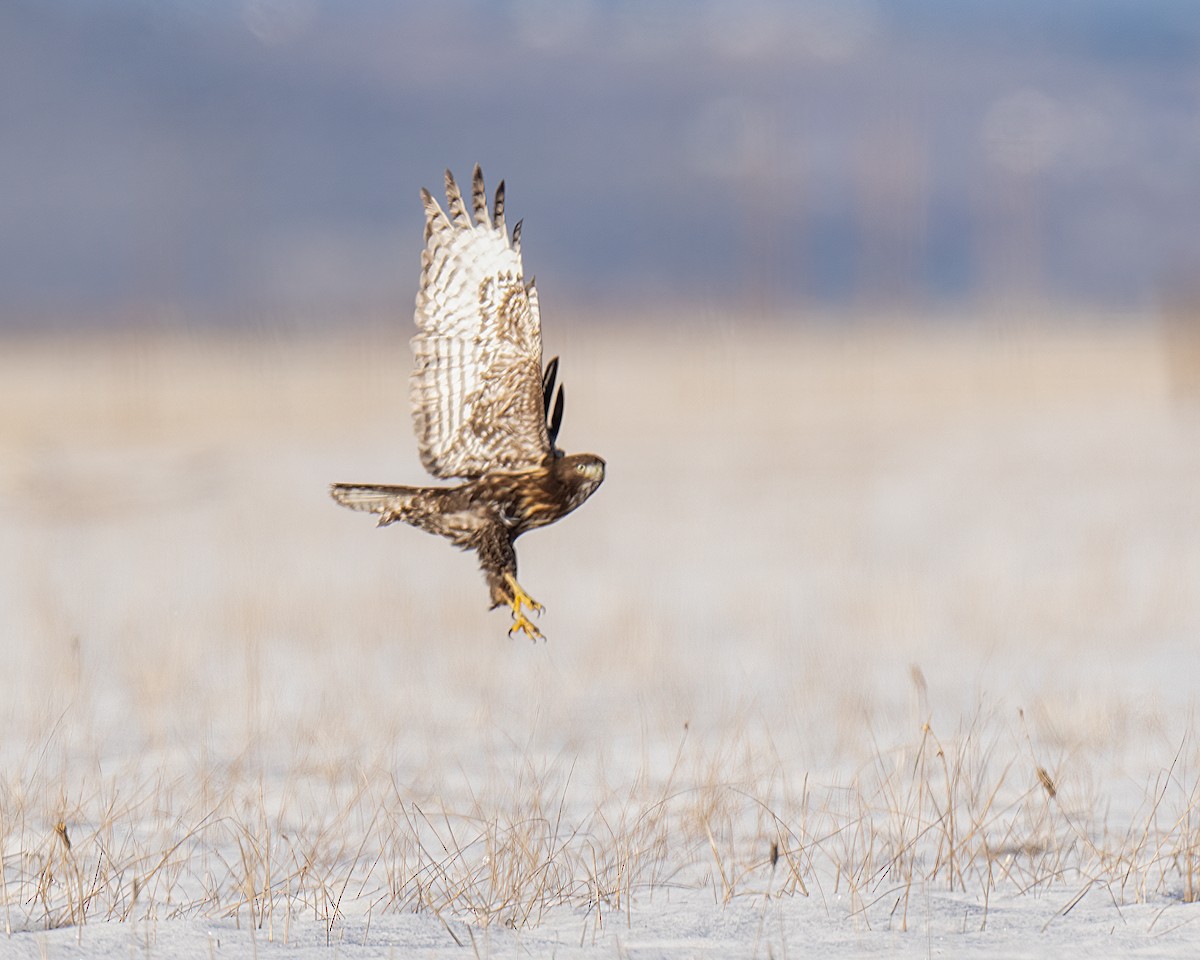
{"x": 477, "y": 388}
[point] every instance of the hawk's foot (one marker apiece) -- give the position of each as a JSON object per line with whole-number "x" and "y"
{"x": 521, "y": 599}
{"x": 523, "y": 623}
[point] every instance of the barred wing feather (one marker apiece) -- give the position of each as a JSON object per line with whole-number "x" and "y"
{"x": 477, "y": 384}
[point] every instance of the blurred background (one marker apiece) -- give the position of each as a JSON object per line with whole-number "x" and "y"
{"x": 825, "y": 531}
{"x": 257, "y": 161}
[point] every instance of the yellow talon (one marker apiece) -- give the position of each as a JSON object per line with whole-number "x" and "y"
{"x": 522, "y": 623}
{"x": 521, "y": 599}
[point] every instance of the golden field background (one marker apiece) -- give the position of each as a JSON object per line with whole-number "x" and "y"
{"x": 914, "y": 606}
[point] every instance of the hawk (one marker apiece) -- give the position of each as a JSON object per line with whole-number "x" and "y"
{"x": 484, "y": 410}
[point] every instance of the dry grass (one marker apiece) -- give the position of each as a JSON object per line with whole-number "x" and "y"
{"x": 942, "y": 644}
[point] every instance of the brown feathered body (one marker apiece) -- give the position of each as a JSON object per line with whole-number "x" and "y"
{"x": 486, "y": 514}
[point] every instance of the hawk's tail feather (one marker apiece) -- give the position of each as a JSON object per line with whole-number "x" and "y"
{"x": 389, "y": 501}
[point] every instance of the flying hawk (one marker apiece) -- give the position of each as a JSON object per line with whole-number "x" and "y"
{"x": 485, "y": 411}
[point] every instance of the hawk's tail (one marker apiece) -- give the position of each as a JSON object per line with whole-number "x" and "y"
{"x": 390, "y": 503}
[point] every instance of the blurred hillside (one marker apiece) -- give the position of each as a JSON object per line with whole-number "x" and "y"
{"x": 234, "y": 159}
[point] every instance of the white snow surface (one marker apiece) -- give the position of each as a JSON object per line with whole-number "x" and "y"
{"x": 873, "y": 643}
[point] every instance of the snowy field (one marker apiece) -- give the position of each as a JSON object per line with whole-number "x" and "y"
{"x": 881, "y": 643}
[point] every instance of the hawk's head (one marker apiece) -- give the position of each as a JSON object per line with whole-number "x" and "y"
{"x": 580, "y": 474}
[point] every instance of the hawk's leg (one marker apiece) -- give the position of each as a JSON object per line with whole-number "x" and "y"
{"x": 521, "y": 599}
{"x": 499, "y": 562}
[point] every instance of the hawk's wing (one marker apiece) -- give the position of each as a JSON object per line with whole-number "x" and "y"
{"x": 477, "y": 385}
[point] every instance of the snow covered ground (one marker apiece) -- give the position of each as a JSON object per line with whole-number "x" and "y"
{"x": 873, "y": 643}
